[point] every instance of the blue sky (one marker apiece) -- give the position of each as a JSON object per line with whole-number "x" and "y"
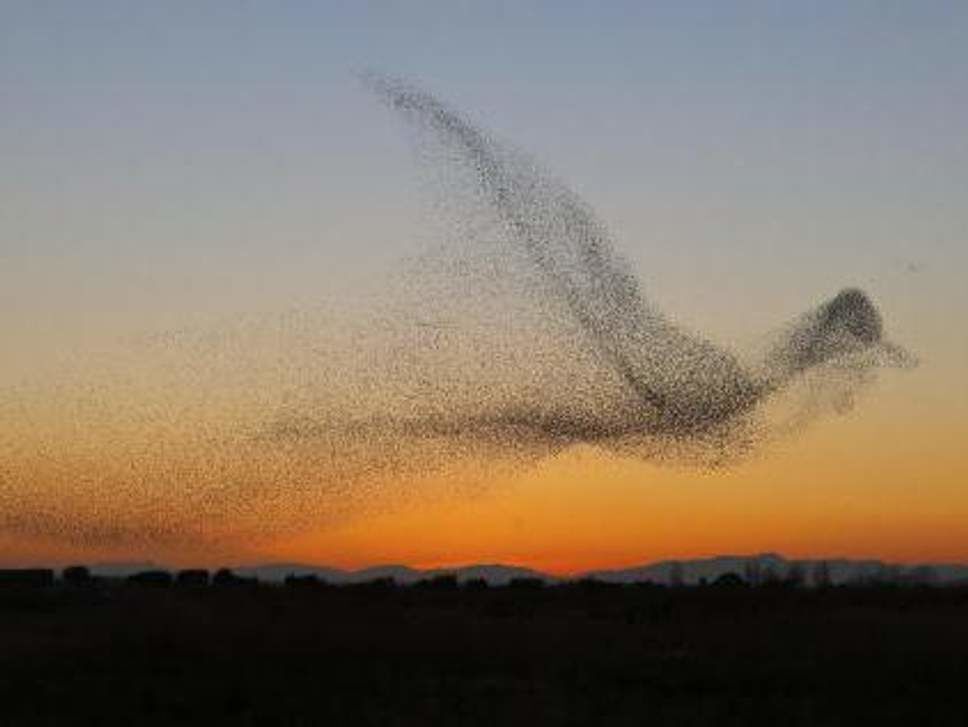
{"x": 221, "y": 156}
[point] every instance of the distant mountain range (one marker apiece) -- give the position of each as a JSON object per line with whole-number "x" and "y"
{"x": 762, "y": 566}
{"x": 766, "y": 566}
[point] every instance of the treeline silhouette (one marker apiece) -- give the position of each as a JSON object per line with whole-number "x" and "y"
{"x": 202, "y": 648}
{"x": 753, "y": 575}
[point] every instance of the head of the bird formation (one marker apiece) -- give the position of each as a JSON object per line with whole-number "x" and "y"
{"x": 846, "y": 328}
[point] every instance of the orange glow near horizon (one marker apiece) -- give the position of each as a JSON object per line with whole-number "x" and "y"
{"x": 867, "y": 485}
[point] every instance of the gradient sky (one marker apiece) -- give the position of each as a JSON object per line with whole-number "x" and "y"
{"x": 172, "y": 165}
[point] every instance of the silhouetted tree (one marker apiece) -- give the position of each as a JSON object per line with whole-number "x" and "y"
{"x": 223, "y": 577}
{"x": 76, "y": 575}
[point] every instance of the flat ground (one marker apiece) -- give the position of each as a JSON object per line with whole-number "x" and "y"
{"x": 642, "y": 655}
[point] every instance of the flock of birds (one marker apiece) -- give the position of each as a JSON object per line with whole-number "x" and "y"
{"x": 540, "y": 338}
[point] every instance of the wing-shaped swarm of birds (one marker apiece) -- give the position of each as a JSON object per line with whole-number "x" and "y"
{"x": 525, "y": 333}
{"x": 647, "y": 386}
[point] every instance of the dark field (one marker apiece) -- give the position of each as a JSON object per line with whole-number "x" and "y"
{"x": 578, "y": 654}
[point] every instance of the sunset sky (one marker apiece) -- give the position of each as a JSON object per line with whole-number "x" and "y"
{"x": 200, "y": 202}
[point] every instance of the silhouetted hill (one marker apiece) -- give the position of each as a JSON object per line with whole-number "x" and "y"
{"x": 277, "y": 572}
{"x": 399, "y": 573}
{"x": 840, "y": 570}
{"x": 495, "y": 574}
{"x": 767, "y": 565}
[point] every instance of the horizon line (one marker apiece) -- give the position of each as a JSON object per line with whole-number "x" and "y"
{"x": 426, "y": 567}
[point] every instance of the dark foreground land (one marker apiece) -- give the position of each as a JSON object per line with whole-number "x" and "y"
{"x": 305, "y": 654}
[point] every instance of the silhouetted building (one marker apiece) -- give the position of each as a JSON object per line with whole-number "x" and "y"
{"x": 34, "y": 577}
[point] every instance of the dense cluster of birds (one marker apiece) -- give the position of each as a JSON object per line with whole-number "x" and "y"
{"x": 641, "y": 374}
{"x": 525, "y": 334}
